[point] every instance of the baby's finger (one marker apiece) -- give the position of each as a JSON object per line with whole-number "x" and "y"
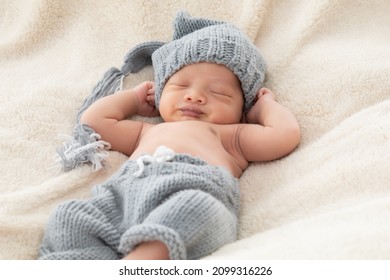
{"x": 150, "y": 86}
{"x": 266, "y": 91}
{"x": 150, "y": 98}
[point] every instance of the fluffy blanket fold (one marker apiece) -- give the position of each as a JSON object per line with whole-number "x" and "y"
{"x": 328, "y": 61}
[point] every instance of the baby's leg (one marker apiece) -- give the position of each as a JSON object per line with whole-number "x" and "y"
{"x": 80, "y": 230}
{"x": 191, "y": 224}
{"x": 151, "y": 250}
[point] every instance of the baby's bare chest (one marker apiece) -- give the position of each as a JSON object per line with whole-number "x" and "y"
{"x": 204, "y": 140}
{"x": 185, "y": 136}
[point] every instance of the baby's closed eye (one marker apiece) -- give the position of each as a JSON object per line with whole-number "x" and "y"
{"x": 178, "y": 85}
{"x": 219, "y": 91}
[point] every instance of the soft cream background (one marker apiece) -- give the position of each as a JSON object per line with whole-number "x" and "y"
{"x": 328, "y": 61}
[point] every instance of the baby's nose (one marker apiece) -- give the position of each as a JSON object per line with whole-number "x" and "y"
{"x": 195, "y": 96}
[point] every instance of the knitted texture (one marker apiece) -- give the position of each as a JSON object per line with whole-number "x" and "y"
{"x": 189, "y": 205}
{"x": 202, "y": 40}
{"x": 194, "y": 40}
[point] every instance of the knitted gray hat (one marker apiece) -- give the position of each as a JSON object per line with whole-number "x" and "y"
{"x": 202, "y": 40}
{"x": 194, "y": 40}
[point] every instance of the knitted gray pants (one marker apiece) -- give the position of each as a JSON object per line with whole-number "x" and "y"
{"x": 189, "y": 205}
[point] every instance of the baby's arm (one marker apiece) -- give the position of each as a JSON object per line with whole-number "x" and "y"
{"x": 272, "y": 132}
{"x": 108, "y": 116}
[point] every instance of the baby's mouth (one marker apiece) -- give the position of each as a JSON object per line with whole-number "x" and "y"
{"x": 191, "y": 111}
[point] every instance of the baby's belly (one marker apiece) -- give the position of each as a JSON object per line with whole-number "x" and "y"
{"x": 210, "y": 153}
{"x": 197, "y": 141}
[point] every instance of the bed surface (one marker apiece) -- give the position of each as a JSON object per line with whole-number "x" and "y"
{"x": 328, "y": 62}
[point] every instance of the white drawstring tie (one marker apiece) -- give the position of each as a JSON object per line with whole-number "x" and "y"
{"x": 162, "y": 154}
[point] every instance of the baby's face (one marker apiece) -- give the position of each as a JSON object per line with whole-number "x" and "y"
{"x": 203, "y": 91}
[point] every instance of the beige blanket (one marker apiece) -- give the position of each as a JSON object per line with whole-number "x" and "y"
{"x": 328, "y": 61}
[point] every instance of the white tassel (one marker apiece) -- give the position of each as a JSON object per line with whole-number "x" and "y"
{"x": 162, "y": 154}
{"x": 86, "y": 148}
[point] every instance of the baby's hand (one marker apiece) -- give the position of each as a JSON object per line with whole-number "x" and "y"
{"x": 265, "y": 92}
{"x": 146, "y": 99}
{"x": 252, "y": 115}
